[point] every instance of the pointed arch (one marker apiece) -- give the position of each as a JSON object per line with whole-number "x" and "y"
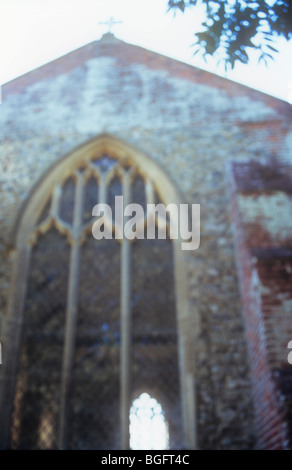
{"x": 41, "y": 213}
{"x": 148, "y": 423}
{"x": 93, "y": 149}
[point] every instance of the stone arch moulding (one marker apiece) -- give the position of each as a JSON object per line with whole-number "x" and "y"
{"x": 153, "y": 174}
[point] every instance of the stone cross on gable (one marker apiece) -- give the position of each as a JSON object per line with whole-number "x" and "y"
{"x": 110, "y": 22}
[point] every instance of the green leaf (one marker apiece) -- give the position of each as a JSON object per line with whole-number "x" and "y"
{"x": 232, "y": 25}
{"x": 272, "y": 48}
{"x": 181, "y": 6}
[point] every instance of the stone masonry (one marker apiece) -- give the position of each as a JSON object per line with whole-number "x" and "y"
{"x": 193, "y": 124}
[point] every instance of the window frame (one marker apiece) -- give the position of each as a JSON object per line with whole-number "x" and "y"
{"x": 29, "y": 214}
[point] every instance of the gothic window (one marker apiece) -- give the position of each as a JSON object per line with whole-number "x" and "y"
{"x": 92, "y": 321}
{"x": 148, "y": 427}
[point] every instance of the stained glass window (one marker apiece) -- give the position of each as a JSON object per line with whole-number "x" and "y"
{"x": 99, "y": 319}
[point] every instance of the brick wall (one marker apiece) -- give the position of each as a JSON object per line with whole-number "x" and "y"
{"x": 264, "y": 260}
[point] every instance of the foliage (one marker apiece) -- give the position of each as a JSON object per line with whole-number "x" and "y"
{"x": 233, "y": 28}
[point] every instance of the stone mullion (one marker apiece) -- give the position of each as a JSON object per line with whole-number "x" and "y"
{"x": 71, "y": 315}
{"x": 126, "y": 331}
{"x": 102, "y": 193}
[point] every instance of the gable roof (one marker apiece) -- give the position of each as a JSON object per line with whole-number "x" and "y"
{"x": 126, "y": 54}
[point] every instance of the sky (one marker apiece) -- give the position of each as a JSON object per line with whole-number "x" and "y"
{"x": 34, "y": 32}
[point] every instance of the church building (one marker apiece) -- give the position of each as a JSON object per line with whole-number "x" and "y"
{"x": 149, "y": 342}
